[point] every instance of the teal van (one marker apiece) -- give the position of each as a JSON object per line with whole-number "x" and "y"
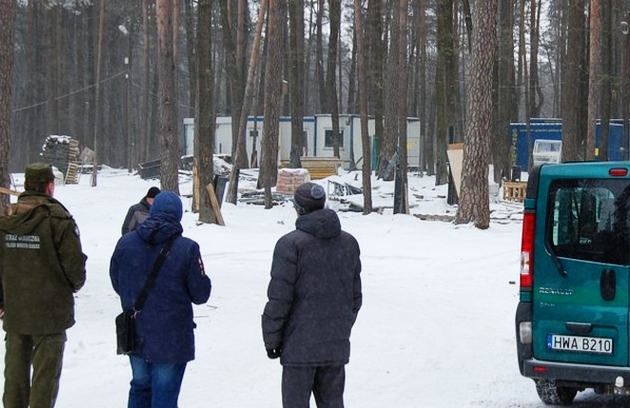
{"x": 572, "y": 324}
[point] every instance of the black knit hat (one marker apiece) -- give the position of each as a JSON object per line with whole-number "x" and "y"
{"x": 309, "y": 197}
{"x": 153, "y": 191}
{"x": 38, "y": 173}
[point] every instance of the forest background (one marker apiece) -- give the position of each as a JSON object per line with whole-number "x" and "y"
{"x": 121, "y": 75}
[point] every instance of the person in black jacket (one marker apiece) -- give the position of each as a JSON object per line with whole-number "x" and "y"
{"x": 139, "y": 212}
{"x": 314, "y": 298}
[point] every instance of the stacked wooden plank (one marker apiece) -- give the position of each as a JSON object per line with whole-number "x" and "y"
{"x": 321, "y": 167}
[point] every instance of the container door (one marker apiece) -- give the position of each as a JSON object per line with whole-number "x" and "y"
{"x": 581, "y": 258}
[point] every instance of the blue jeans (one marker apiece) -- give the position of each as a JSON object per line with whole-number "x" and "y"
{"x": 155, "y": 385}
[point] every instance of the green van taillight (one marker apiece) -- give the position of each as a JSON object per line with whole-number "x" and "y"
{"x": 527, "y": 250}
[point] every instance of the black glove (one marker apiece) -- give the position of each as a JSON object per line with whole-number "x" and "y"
{"x": 273, "y": 353}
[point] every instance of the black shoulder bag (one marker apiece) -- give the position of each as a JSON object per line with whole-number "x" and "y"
{"x": 126, "y": 321}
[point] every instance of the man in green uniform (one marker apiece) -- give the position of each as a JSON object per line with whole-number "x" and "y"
{"x": 41, "y": 267}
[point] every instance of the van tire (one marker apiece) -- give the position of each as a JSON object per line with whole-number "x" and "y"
{"x": 552, "y": 394}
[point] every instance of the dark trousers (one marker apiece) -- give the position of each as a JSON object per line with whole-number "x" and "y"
{"x": 326, "y": 383}
{"x": 45, "y": 354}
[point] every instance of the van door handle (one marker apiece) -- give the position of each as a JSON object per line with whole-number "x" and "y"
{"x": 608, "y": 284}
{"x": 579, "y": 328}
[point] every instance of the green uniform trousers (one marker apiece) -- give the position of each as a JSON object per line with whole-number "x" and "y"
{"x": 45, "y": 354}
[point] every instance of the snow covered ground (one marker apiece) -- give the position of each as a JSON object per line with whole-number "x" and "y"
{"x": 436, "y": 329}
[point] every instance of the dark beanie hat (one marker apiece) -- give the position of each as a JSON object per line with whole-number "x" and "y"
{"x": 38, "y": 173}
{"x": 167, "y": 204}
{"x": 309, "y": 197}
{"x": 153, "y": 191}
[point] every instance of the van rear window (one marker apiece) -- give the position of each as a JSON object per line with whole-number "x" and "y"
{"x": 588, "y": 220}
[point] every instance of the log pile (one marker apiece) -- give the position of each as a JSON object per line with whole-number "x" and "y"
{"x": 58, "y": 151}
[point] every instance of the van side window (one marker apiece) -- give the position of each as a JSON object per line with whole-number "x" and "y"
{"x": 588, "y": 220}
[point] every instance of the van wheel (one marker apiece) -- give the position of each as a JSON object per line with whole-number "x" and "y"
{"x": 552, "y": 394}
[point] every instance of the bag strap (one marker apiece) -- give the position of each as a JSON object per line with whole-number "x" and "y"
{"x": 153, "y": 275}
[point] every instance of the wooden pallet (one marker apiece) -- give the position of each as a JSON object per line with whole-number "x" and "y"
{"x": 514, "y": 190}
{"x": 73, "y": 173}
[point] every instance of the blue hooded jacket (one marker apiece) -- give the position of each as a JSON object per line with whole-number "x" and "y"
{"x": 165, "y": 324}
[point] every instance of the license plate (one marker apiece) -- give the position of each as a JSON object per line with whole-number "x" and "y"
{"x": 599, "y": 345}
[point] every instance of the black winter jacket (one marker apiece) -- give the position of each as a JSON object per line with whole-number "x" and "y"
{"x": 314, "y": 293}
{"x": 136, "y": 215}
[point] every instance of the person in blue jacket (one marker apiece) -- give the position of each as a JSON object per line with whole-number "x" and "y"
{"x": 165, "y": 340}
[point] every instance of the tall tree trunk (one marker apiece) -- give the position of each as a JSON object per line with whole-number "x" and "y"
{"x": 8, "y": 9}
{"x": 167, "y": 100}
{"x": 254, "y": 62}
{"x": 98, "y": 108}
{"x": 606, "y": 78}
{"x": 296, "y": 82}
{"x": 389, "y": 149}
{"x": 352, "y": 101}
{"x": 309, "y": 105}
{"x": 273, "y": 94}
{"x": 375, "y": 71}
{"x": 332, "y": 105}
{"x": 191, "y": 51}
{"x": 205, "y": 112}
{"x": 625, "y": 83}
{"x": 362, "y": 56}
{"x": 425, "y": 146}
{"x": 401, "y": 91}
{"x": 233, "y": 59}
{"x": 534, "y": 85}
{"x": 521, "y": 64}
{"x": 593, "y": 80}
{"x": 443, "y": 85}
{"x": 571, "y": 139}
{"x": 473, "y": 201}
{"x": 320, "y": 106}
{"x": 504, "y": 91}
{"x": 468, "y": 21}
{"x": 143, "y": 147}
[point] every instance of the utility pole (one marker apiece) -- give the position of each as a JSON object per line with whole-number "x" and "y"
{"x": 98, "y": 109}
{"x": 129, "y": 139}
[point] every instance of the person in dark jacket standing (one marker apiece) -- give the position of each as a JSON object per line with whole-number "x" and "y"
{"x": 314, "y": 298}
{"x": 165, "y": 340}
{"x": 41, "y": 267}
{"x": 139, "y": 212}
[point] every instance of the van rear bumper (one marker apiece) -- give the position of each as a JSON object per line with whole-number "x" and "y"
{"x": 571, "y": 372}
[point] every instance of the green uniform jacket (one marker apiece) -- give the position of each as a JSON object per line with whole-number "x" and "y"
{"x": 41, "y": 265}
